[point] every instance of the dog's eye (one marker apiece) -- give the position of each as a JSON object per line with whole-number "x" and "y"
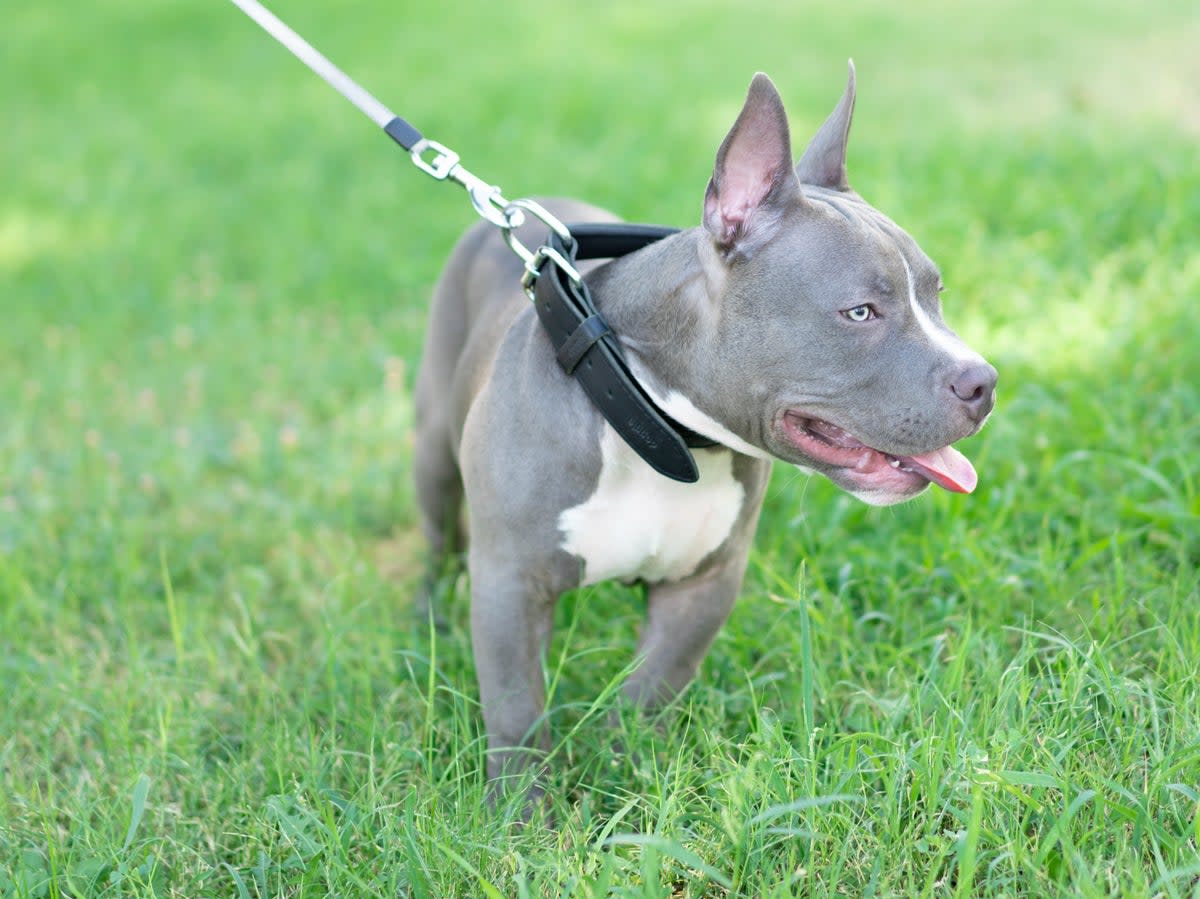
{"x": 860, "y": 313}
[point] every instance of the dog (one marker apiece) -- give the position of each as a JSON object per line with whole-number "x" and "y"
{"x": 795, "y": 323}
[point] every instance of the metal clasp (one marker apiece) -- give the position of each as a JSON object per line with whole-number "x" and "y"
{"x": 444, "y": 165}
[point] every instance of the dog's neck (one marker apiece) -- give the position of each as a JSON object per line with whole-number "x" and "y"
{"x": 657, "y": 302}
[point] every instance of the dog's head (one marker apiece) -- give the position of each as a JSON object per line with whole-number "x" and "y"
{"x": 830, "y": 314}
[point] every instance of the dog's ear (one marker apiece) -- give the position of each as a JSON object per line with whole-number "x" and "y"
{"x": 824, "y": 162}
{"x": 753, "y": 180}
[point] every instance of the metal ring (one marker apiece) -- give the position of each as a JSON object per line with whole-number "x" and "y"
{"x": 522, "y": 251}
{"x": 540, "y": 212}
{"x": 533, "y": 266}
{"x": 547, "y": 252}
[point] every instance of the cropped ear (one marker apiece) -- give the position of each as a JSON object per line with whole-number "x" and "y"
{"x": 753, "y": 180}
{"x": 824, "y": 162}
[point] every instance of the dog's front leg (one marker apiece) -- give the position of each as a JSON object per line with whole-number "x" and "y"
{"x": 682, "y": 620}
{"x": 510, "y": 625}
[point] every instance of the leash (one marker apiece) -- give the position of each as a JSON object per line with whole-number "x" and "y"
{"x": 585, "y": 346}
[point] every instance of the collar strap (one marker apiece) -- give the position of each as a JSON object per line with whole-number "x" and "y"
{"x": 588, "y": 350}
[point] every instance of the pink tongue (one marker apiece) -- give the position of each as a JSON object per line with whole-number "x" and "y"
{"x": 947, "y": 468}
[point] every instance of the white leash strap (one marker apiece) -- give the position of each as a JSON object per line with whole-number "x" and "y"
{"x": 315, "y": 60}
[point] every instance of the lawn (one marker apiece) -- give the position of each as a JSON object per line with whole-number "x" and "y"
{"x": 214, "y": 275}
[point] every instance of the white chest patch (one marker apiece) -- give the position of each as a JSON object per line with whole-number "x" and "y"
{"x": 639, "y": 524}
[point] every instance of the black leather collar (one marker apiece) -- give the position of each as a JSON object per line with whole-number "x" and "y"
{"x": 588, "y": 350}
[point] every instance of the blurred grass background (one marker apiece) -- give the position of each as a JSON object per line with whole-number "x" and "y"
{"x": 214, "y": 277}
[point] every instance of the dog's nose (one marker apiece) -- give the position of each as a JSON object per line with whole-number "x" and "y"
{"x": 975, "y": 385}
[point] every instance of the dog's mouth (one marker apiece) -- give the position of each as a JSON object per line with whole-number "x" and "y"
{"x": 873, "y": 469}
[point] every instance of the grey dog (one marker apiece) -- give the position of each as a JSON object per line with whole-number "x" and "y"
{"x": 796, "y": 322}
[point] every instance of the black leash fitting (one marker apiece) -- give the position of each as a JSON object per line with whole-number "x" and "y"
{"x": 588, "y": 350}
{"x": 403, "y": 133}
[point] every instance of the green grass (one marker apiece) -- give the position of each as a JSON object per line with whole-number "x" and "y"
{"x": 214, "y": 278}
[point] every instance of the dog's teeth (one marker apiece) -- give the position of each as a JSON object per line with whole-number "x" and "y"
{"x": 895, "y": 463}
